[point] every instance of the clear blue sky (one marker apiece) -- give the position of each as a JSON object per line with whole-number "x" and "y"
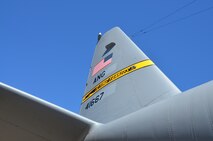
{"x": 46, "y": 46}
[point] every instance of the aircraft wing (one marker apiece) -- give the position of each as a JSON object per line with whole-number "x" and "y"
{"x": 25, "y": 117}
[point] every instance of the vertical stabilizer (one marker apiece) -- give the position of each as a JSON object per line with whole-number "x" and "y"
{"x": 122, "y": 79}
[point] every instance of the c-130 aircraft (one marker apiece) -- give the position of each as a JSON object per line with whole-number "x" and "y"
{"x": 127, "y": 98}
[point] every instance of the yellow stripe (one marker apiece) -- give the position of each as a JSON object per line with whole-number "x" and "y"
{"x": 116, "y": 76}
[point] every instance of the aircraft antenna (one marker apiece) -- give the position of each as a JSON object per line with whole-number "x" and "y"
{"x": 99, "y": 36}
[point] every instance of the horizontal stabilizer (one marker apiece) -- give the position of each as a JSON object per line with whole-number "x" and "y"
{"x": 24, "y": 117}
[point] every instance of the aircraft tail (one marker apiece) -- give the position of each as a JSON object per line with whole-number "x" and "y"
{"x": 122, "y": 79}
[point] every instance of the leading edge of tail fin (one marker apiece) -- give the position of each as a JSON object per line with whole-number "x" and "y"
{"x": 122, "y": 79}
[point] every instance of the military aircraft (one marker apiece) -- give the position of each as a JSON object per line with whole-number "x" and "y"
{"x": 127, "y": 98}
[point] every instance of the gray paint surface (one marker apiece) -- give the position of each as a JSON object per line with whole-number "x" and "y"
{"x": 133, "y": 91}
{"x": 184, "y": 117}
{"x": 27, "y": 118}
{"x": 141, "y": 106}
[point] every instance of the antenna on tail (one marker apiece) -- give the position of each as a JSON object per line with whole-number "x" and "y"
{"x": 99, "y": 36}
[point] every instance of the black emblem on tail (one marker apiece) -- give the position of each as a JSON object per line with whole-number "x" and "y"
{"x": 109, "y": 47}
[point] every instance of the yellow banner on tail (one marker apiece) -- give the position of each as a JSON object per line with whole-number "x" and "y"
{"x": 117, "y": 75}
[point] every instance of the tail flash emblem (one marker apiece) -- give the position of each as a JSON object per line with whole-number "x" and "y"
{"x": 102, "y": 64}
{"x": 109, "y": 47}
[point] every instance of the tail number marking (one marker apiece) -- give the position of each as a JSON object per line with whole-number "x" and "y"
{"x": 94, "y": 100}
